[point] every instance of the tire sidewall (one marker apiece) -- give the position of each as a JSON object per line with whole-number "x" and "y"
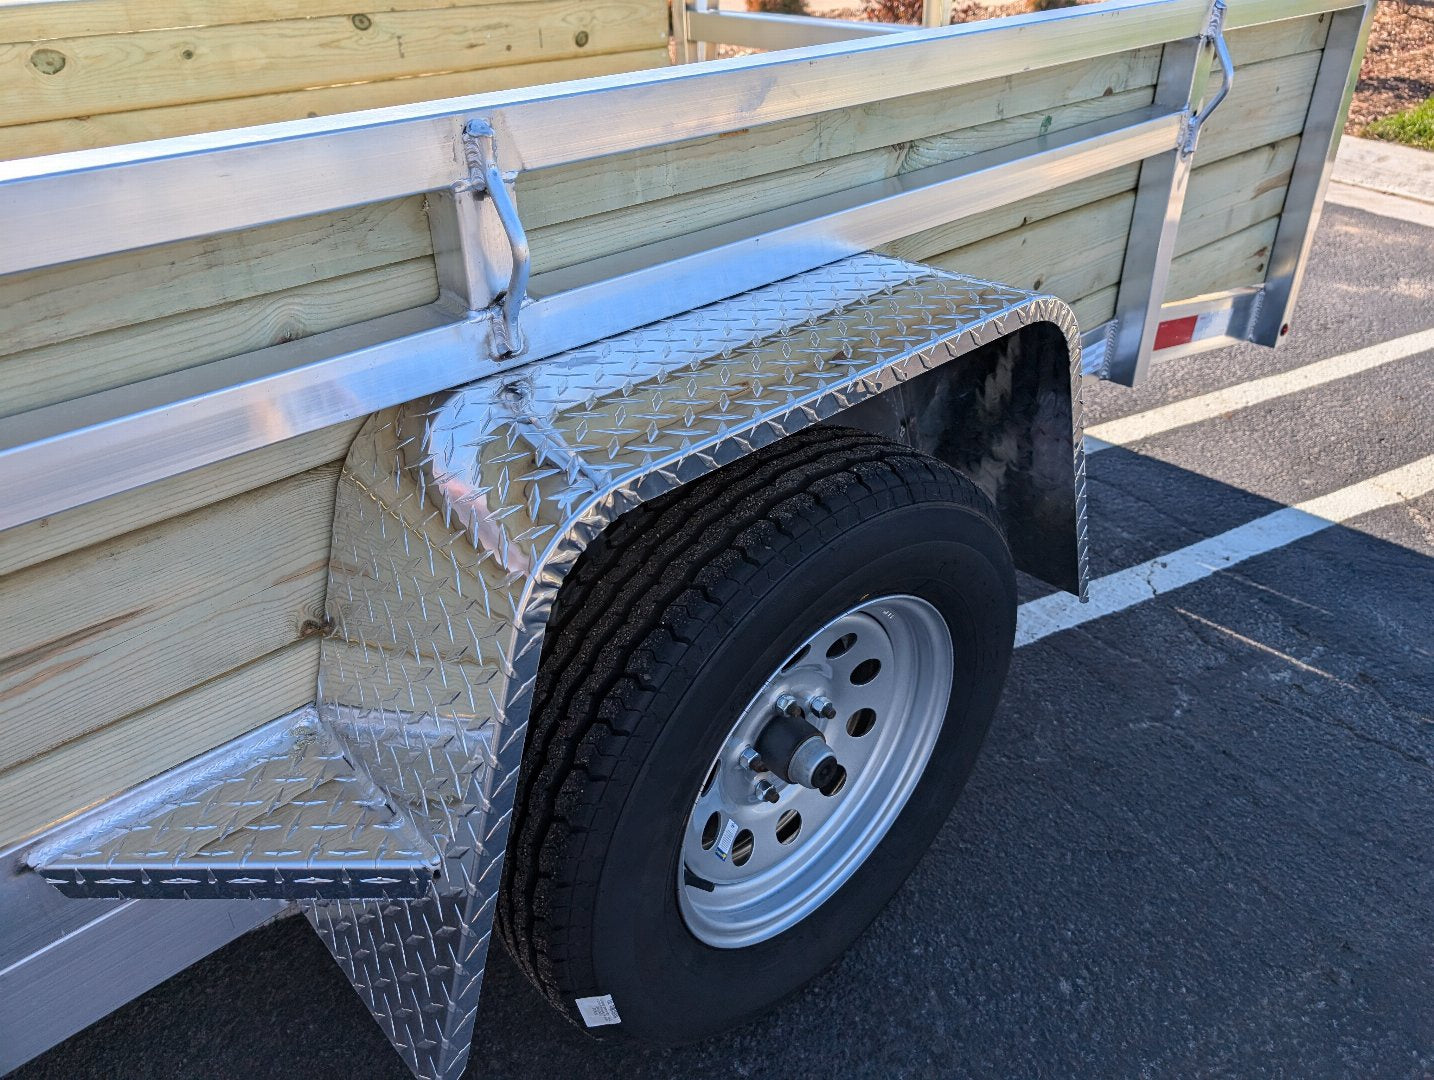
{"x": 670, "y": 987}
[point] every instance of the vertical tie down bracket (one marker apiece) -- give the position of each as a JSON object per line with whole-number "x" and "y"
{"x": 486, "y": 180}
{"x": 1212, "y": 37}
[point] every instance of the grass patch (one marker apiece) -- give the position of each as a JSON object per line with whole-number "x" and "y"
{"x": 1412, "y": 127}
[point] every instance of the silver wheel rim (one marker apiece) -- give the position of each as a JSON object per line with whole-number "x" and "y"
{"x": 886, "y": 666}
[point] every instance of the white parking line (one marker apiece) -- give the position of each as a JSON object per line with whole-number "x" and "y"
{"x": 1143, "y": 425}
{"x": 1126, "y": 588}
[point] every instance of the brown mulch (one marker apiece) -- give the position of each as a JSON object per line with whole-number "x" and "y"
{"x": 1398, "y": 70}
{"x": 974, "y": 12}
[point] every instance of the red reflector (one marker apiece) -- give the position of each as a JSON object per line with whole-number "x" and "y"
{"x": 1175, "y": 332}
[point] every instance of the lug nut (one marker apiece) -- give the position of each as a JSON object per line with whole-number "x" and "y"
{"x": 767, "y": 791}
{"x": 788, "y": 705}
{"x": 750, "y": 759}
{"x": 822, "y": 707}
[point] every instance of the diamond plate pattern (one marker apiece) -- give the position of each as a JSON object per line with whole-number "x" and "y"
{"x": 280, "y": 812}
{"x": 459, "y": 516}
{"x": 456, "y": 520}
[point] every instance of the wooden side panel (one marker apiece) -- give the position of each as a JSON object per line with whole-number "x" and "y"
{"x": 1239, "y": 181}
{"x": 152, "y": 626}
{"x": 573, "y": 192}
{"x": 123, "y": 355}
{"x": 87, "y": 73}
{"x": 123, "y": 625}
{"x": 156, "y": 624}
{"x": 1071, "y": 254}
{"x": 92, "y": 768}
{"x": 46, "y": 20}
{"x": 108, "y": 129}
{"x": 110, "y": 73}
{"x": 1242, "y": 167}
{"x": 94, "y": 523}
{"x": 69, "y": 301}
{"x": 79, "y": 328}
{"x": 1235, "y": 193}
{"x": 1240, "y": 259}
{"x": 944, "y": 241}
{"x": 579, "y": 212}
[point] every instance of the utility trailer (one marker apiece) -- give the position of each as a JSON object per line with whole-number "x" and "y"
{"x": 586, "y": 507}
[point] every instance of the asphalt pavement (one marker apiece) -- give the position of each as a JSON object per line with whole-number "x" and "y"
{"x": 1200, "y": 840}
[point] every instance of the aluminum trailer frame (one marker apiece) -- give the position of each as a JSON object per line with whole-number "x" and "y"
{"x": 491, "y": 321}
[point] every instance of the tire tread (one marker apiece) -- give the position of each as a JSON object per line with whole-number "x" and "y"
{"x": 625, "y": 622}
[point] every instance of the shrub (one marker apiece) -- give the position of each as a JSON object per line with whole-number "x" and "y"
{"x": 1412, "y": 127}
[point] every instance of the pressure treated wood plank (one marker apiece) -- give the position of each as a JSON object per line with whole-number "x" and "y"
{"x": 59, "y": 303}
{"x": 1235, "y": 193}
{"x": 1241, "y": 259}
{"x": 126, "y": 354}
{"x": 84, "y": 526}
{"x": 27, "y": 20}
{"x": 1219, "y": 200}
{"x": 1099, "y": 307}
{"x": 585, "y": 189}
{"x": 1069, "y": 255}
{"x": 1267, "y": 103}
{"x": 928, "y": 243}
{"x": 1267, "y": 41}
{"x": 67, "y": 18}
{"x": 103, "y": 763}
{"x": 109, "y": 129}
{"x": 572, "y": 242}
{"x": 963, "y": 142}
{"x": 121, "y": 626}
{"x": 122, "y": 72}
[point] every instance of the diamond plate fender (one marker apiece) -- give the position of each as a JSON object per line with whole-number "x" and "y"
{"x": 459, "y": 516}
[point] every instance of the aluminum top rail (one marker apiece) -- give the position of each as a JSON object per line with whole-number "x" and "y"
{"x": 94, "y": 202}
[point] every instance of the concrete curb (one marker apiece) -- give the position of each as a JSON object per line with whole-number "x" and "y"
{"x": 1385, "y": 167}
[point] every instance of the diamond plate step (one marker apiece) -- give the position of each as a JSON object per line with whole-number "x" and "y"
{"x": 280, "y": 812}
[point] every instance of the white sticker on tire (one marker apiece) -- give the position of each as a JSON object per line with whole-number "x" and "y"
{"x": 723, "y": 848}
{"x": 598, "y": 1011}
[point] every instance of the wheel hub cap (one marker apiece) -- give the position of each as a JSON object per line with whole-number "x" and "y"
{"x": 815, "y": 771}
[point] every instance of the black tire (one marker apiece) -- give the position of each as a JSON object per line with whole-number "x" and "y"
{"x": 665, "y": 629}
